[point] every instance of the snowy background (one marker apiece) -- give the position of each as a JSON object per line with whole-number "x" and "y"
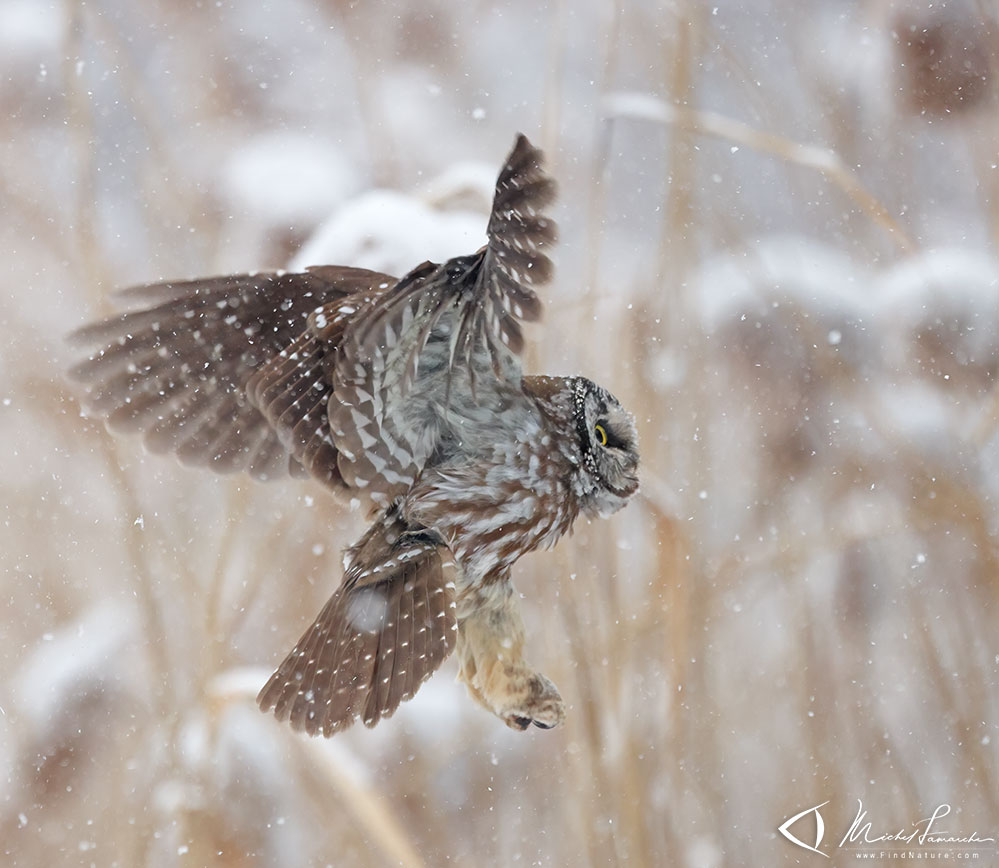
{"x": 780, "y": 227}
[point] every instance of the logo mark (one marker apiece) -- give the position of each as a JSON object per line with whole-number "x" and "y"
{"x": 820, "y": 829}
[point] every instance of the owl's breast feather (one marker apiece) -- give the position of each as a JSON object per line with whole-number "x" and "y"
{"x": 490, "y": 511}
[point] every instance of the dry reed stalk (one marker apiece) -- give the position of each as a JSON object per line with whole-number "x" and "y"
{"x": 381, "y": 149}
{"x": 820, "y": 159}
{"x": 551, "y": 113}
{"x": 175, "y": 200}
{"x": 94, "y": 274}
{"x": 596, "y": 206}
{"x": 372, "y": 812}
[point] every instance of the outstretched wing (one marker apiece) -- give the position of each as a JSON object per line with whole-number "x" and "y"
{"x": 382, "y": 634}
{"x": 439, "y": 352}
{"x": 179, "y": 372}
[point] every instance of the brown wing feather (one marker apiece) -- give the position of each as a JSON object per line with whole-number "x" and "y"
{"x": 362, "y": 656}
{"x": 402, "y": 352}
{"x": 292, "y": 391}
{"x": 177, "y": 372}
{"x": 373, "y": 410}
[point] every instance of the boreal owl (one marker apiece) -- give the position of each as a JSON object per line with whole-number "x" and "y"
{"x": 408, "y": 395}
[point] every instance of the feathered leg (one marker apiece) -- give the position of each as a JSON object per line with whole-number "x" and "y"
{"x": 491, "y": 660}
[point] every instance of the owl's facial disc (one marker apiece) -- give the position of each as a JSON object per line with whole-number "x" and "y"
{"x": 609, "y": 445}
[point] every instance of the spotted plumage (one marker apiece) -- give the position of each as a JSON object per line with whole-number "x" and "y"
{"x": 405, "y": 394}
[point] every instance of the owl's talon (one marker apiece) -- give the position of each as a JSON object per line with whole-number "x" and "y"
{"x": 537, "y": 701}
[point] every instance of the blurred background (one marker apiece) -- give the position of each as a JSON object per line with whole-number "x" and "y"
{"x": 780, "y": 248}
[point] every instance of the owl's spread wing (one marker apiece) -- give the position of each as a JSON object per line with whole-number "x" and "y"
{"x": 443, "y": 334}
{"x": 179, "y": 371}
{"x": 386, "y": 630}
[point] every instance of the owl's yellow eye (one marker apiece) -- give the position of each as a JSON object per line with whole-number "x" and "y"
{"x": 601, "y": 434}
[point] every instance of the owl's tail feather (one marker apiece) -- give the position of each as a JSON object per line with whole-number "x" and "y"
{"x": 382, "y": 634}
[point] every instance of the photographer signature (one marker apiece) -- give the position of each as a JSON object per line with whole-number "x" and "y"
{"x": 921, "y": 832}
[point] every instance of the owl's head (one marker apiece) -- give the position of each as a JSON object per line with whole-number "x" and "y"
{"x": 608, "y": 443}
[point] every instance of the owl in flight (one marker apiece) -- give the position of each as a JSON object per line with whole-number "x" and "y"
{"x": 408, "y": 395}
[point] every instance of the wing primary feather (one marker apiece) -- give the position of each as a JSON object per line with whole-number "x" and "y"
{"x": 171, "y": 370}
{"x": 268, "y": 460}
